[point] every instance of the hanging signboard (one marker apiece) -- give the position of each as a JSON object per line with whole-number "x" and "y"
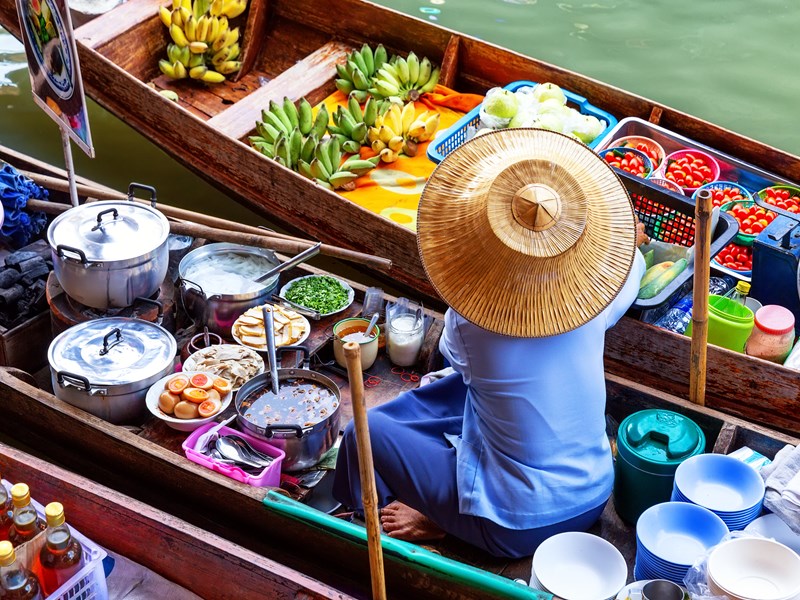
{"x": 53, "y": 64}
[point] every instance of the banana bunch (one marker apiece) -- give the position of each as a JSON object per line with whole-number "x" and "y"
{"x": 204, "y": 47}
{"x": 400, "y": 131}
{"x": 328, "y": 170}
{"x": 355, "y": 76}
{"x": 287, "y": 132}
{"x": 405, "y": 78}
{"x": 351, "y": 124}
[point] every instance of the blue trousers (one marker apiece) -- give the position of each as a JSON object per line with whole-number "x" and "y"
{"x": 416, "y": 465}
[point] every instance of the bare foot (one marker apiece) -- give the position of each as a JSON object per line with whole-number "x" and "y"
{"x": 404, "y": 523}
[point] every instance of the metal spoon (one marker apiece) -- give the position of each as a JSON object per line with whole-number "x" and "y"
{"x": 233, "y": 452}
{"x": 292, "y": 262}
{"x": 249, "y": 451}
{"x": 371, "y": 325}
{"x": 269, "y": 331}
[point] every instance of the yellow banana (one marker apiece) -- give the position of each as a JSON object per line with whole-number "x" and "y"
{"x": 396, "y": 143}
{"x": 221, "y": 56}
{"x": 198, "y": 47}
{"x": 234, "y": 52}
{"x": 232, "y": 37}
{"x": 233, "y": 8}
{"x": 385, "y": 134}
{"x": 198, "y": 72}
{"x": 213, "y": 30}
{"x": 196, "y": 60}
{"x": 388, "y": 156}
{"x": 407, "y": 115}
{"x": 219, "y": 43}
{"x": 377, "y": 146}
{"x": 228, "y": 67}
{"x": 166, "y": 68}
{"x": 178, "y": 36}
{"x": 431, "y": 125}
{"x": 216, "y": 8}
{"x": 395, "y": 118}
{"x": 213, "y": 77}
{"x": 190, "y": 29}
{"x": 180, "y": 70}
{"x": 187, "y": 4}
{"x": 166, "y": 15}
{"x": 185, "y": 14}
{"x": 223, "y": 23}
{"x": 202, "y": 29}
{"x": 176, "y": 18}
{"x": 176, "y": 4}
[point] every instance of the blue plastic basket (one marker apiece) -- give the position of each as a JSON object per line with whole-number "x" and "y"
{"x": 457, "y": 133}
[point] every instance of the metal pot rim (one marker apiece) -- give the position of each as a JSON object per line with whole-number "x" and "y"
{"x": 220, "y": 248}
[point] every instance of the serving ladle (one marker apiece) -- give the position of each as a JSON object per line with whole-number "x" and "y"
{"x": 269, "y": 332}
{"x": 292, "y": 262}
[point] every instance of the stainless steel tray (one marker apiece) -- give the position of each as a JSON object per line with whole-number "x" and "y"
{"x": 731, "y": 168}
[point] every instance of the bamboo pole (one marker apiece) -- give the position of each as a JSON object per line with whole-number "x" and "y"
{"x": 702, "y": 258}
{"x": 262, "y": 239}
{"x": 369, "y": 493}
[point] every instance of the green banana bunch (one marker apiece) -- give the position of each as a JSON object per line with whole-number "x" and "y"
{"x": 405, "y": 78}
{"x": 328, "y": 170}
{"x": 351, "y": 124}
{"x": 399, "y": 131}
{"x": 355, "y": 76}
{"x": 289, "y": 132}
{"x": 204, "y": 46}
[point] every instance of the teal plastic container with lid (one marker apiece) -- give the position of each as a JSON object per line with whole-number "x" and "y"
{"x": 650, "y": 446}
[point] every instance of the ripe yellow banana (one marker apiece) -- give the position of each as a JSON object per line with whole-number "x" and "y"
{"x": 180, "y": 70}
{"x": 228, "y": 67}
{"x": 202, "y": 28}
{"x": 190, "y": 29}
{"x": 178, "y": 36}
{"x": 166, "y": 15}
{"x": 198, "y": 47}
{"x": 198, "y": 72}
{"x": 213, "y": 77}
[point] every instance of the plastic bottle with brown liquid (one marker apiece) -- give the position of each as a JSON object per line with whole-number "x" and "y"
{"x": 27, "y": 523}
{"x": 16, "y": 582}
{"x": 6, "y": 511}
{"x": 62, "y": 555}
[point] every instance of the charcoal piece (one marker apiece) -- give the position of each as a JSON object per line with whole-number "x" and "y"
{"x": 20, "y": 256}
{"x": 40, "y": 247}
{"x": 37, "y": 263}
{"x": 36, "y": 271}
{"x": 11, "y": 295}
{"x": 9, "y": 277}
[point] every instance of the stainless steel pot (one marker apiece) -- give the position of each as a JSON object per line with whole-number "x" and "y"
{"x": 219, "y": 311}
{"x": 106, "y": 254}
{"x": 105, "y": 366}
{"x": 304, "y": 446}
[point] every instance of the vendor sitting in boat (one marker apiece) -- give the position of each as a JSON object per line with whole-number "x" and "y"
{"x": 531, "y": 240}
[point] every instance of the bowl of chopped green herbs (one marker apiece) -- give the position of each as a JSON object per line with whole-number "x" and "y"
{"x": 323, "y": 293}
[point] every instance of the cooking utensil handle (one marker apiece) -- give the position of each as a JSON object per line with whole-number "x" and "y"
{"x": 302, "y": 349}
{"x": 106, "y": 347}
{"x": 292, "y": 262}
{"x": 269, "y": 331}
{"x": 62, "y": 249}
{"x": 159, "y": 306}
{"x": 65, "y": 379}
{"x": 270, "y": 430}
{"x": 369, "y": 492}
{"x": 145, "y": 188}
{"x": 108, "y": 211}
{"x": 306, "y": 312}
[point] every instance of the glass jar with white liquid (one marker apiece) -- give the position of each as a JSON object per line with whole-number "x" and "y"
{"x": 406, "y": 332}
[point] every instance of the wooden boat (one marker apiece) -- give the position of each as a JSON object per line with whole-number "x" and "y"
{"x": 198, "y": 561}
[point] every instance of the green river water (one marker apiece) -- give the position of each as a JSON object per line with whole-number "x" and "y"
{"x": 734, "y": 63}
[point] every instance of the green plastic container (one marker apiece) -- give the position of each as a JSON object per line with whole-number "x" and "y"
{"x": 650, "y": 446}
{"x": 729, "y": 323}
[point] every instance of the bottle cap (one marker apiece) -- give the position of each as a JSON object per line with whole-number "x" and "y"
{"x": 21, "y": 494}
{"x": 743, "y": 287}
{"x": 774, "y": 319}
{"x": 7, "y": 554}
{"x": 54, "y": 513}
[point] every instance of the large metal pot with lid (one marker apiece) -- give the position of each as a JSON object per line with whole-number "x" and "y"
{"x": 105, "y": 366}
{"x": 106, "y": 254}
{"x": 302, "y": 420}
{"x": 217, "y": 283}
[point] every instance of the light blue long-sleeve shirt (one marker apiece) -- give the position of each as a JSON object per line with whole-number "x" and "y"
{"x": 533, "y": 450}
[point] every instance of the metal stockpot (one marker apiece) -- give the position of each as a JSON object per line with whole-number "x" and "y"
{"x": 105, "y": 366}
{"x": 304, "y": 446}
{"x": 106, "y": 254}
{"x": 219, "y": 311}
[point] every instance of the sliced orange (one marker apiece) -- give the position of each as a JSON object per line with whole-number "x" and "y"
{"x": 202, "y": 381}
{"x": 222, "y": 385}
{"x": 209, "y": 408}
{"x": 195, "y": 395}
{"x": 178, "y": 383}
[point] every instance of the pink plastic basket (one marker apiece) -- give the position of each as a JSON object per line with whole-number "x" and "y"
{"x": 271, "y": 476}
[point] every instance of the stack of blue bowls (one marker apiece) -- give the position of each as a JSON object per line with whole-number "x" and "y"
{"x": 728, "y": 487}
{"x": 670, "y": 536}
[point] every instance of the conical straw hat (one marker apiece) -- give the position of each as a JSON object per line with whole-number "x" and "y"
{"x": 526, "y": 232}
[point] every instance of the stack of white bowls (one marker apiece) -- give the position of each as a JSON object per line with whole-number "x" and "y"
{"x": 578, "y": 566}
{"x": 729, "y": 488}
{"x": 754, "y": 569}
{"x": 670, "y": 536}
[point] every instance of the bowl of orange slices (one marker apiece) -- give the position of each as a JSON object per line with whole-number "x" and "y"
{"x": 188, "y": 400}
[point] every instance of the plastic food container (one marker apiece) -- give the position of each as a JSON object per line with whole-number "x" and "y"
{"x": 650, "y": 446}
{"x": 707, "y": 158}
{"x": 729, "y": 323}
{"x": 655, "y": 151}
{"x": 773, "y": 335}
{"x": 667, "y": 184}
{"x": 270, "y": 476}
{"x": 619, "y": 152}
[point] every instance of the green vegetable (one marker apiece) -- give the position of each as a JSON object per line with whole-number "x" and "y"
{"x": 322, "y": 293}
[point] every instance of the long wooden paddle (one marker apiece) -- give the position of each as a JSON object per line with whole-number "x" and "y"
{"x": 369, "y": 493}
{"x": 702, "y": 258}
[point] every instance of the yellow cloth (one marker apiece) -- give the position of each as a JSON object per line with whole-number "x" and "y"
{"x": 393, "y": 190}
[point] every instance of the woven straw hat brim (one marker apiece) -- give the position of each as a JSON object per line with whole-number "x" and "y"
{"x": 533, "y": 278}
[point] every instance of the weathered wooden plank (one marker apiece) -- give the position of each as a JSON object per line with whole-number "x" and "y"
{"x": 307, "y": 75}
{"x": 112, "y": 25}
{"x": 254, "y": 35}
{"x": 449, "y": 72}
{"x": 180, "y": 552}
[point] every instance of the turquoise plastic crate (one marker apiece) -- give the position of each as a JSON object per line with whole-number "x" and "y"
{"x": 457, "y": 133}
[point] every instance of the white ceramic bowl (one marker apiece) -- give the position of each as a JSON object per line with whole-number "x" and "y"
{"x": 180, "y": 424}
{"x": 190, "y": 364}
{"x": 755, "y": 569}
{"x": 580, "y": 566}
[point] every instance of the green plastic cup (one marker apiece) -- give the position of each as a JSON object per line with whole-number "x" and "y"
{"x": 729, "y": 323}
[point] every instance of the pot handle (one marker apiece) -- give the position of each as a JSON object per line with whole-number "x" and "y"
{"x": 270, "y": 430}
{"x": 62, "y": 249}
{"x": 183, "y": 280}
{"x": 302, "y": 349}
{"x": 145, "y": 188}
{"x": 100, "y": 217}
{"x": 106, "y": 346}
{"x": 66, "y": 379}
{"x": 156, "y": 303}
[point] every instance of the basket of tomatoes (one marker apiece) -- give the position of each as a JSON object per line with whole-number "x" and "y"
{"x": 782, "y": 197}
{"x": 630, "y": 160}
{"x": 737, "y": 258}
{"x": 723, "y": 192}
{"x": 690, "y": 169}
{"x": 752, "y": 219}
{"x": 654, "y": 151}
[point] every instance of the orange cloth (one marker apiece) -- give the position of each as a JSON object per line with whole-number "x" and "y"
{"x": 393, "y": 190}
{"x": 444, "y": 96}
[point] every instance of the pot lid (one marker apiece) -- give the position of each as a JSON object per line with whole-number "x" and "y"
{"x": 111, "y": 230}
{"x": 113, "y": 350}
{"x": 659, "y": 440}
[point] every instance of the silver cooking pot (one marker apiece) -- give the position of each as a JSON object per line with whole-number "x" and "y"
{"x": 303, "y": 445}
{"x": 218, "y": 311}
{"x": 105, "y": 366}
{"x": 107, "y": 254}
